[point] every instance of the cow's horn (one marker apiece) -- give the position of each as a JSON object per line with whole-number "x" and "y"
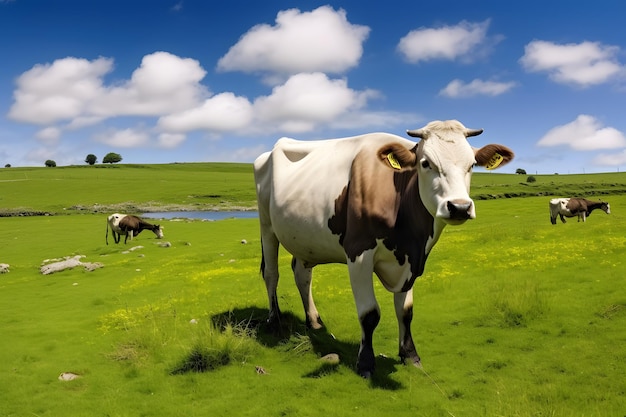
{"x": 473, "y": 132}
{"x": 416, "y": 133}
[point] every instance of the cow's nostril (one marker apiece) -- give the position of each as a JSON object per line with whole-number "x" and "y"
{"x": 459, "y": 210}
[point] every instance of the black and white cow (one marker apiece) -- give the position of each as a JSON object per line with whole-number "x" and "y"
{"x": 376, "y": 202}
{"x": 129, "y": 225}
{"x": 575, "y": 207}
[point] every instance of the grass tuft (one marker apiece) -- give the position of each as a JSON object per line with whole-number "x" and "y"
{"x": 612, "y": 310}
{"x": 514, "y": 305}
{"x": 202, "y": 359}
{"x": 214, "y": 348}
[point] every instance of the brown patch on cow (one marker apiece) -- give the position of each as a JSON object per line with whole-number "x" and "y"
{"x": 414, "y": 226}
{"x": 578, "y": 205}
{"x": 380, "y": 203}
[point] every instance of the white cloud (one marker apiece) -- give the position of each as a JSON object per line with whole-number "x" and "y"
{"x": 448, "y": 42}
{"x": 612, "y": 159}
{"x": 457, "y": 88}
{"x": 223, "y": 112}
{"x": 83, "y": 121}
{"x": 299, "y": 105}
{"x": 585, "y": 133}
{"x": 49, "y": 135}
{"x": 164, "y": 83}
{"x": 308, "y": 99}
{"x": 320, "y": 40}
{"x": 72, "y": 89}
{"x": 170, "y": 140}
{"x": 125, "y": 138}
{"x": 58, "y": 91}
{"x": 583, "y": 64}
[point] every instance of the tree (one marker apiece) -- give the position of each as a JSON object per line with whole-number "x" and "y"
{"x": 91, "y": 159}
{"x": 112, "y": 158}
{"x": 50, "y": 163}
{"x": 520, "y": 171}
{"x": 7, "y": 166}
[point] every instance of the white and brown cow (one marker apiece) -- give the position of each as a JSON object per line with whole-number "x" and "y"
{"x": 377, "y": 202}
{"x": 129, "y": 225}
{"x": 575, "y": 207}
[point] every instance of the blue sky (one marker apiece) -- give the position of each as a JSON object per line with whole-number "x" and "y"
{"x": 165, "y": 81}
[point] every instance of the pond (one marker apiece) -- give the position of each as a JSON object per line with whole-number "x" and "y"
{"x": 204, "y": 215}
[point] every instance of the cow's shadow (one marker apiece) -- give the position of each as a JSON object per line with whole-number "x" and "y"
{"x": 322, "y": 341}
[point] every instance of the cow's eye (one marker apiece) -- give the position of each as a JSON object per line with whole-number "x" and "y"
{"x": 425, "y": 164}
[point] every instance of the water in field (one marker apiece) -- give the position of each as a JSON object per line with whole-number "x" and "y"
{"x": 204, "y": 215}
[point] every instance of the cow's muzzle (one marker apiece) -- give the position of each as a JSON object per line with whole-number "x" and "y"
{"x": 460, "y": 209}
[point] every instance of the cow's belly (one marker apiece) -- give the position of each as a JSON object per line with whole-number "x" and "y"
{"x": 303, "y": 231}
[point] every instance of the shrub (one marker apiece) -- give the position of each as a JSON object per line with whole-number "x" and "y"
{"x": 531, "y": 179}
{"x": 112, "y": 158}
{"x": 91, "y": 159}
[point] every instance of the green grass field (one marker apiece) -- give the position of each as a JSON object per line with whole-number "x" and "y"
{"x": 513, "y": 317}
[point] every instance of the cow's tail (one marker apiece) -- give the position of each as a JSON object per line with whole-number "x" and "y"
{"x": 262, "y": 267}
{"x": 106, "y": 237}
{"x": 554, "y": 211}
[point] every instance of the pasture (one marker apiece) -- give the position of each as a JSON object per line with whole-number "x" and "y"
{"x": 513, "y": 316}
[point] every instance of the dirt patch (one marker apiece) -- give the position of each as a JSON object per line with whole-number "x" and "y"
{"x": 154, "y": 207}
{"x": 23, "y": 213}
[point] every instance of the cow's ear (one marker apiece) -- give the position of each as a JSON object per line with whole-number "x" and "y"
{"x": 397, "y": 156}
{"x": 493, "y": 156}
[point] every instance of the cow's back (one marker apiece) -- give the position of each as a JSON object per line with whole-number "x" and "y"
{"x": 114, "y": 221}
{"x": 298, "y": 183}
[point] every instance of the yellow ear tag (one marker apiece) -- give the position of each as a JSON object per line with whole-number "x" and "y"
{"x": 495, "y": 161}
{"x": 393, "y": 161}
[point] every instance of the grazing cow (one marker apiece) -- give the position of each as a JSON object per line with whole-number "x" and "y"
{"x": 575, "y": 207}
{"x": 376, "y": 202}
{"x": 126, "y": 224}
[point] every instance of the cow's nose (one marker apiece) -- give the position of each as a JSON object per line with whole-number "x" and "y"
{"x": 460, "y": 209}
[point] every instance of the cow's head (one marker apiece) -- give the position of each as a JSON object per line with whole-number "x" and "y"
{"x": 444, "y": 160}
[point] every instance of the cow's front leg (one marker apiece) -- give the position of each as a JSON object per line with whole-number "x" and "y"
{"x": 368, "y": 310}
{"x": 303, "y": 277}
{"x": 404, "y": 312}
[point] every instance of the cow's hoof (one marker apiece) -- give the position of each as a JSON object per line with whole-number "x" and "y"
{"x": 315, "y": 324}
{"x": 365, "y": 371}
{"x": 366, "y": 374}
{"x": 273, "y": 323}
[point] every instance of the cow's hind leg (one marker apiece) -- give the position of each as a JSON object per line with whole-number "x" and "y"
{"x": 269, "y": 270}
{"x": 404, "y": 312}
{"x": 303, "y": 277}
